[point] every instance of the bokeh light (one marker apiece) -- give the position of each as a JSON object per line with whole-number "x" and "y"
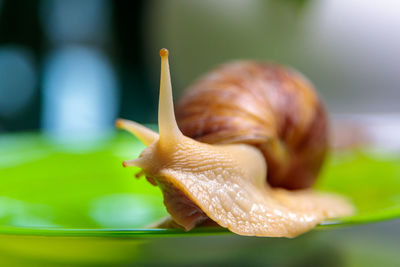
{"x": 17, "y": 79}
{"x": 79, "y": 93}
{"x": 76, "y": 21}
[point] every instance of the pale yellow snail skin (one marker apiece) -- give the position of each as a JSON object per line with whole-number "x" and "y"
{"x": 224, "y": 183}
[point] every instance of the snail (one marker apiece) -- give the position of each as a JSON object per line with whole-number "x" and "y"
{"x": 221, "y": 177}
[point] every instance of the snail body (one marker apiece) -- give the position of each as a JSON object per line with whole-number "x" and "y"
{"x": 222, "y": 183}
{"x": 265, "y": 105}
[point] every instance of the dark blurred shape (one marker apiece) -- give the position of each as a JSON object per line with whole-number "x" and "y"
{"x": 138, "y": 100}
{"x": 19, "y": 23}
{"x": 20, "y": 29}
{"x": 18, "y": 79}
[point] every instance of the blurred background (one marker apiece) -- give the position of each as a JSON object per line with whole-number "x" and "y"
{"x": 70, "y": 68}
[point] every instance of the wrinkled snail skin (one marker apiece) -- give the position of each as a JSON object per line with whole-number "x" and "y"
{"x": 223, "y": 183}
{"x": 266, "y": 105}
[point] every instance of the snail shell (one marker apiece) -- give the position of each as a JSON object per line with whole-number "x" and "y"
{"x": 269, "y": 106}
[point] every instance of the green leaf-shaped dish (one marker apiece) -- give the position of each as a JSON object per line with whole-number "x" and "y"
{"x": 81, "y": 190}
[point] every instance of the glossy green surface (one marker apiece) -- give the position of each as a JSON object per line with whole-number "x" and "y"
{"x": 47, "y": 186}
{"x": 73, "y": 202}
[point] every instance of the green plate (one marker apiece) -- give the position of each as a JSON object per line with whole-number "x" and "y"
{"x": 57, "y": 199}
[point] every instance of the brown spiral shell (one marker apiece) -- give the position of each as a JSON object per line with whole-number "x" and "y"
{"x": 269, "y": 106}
